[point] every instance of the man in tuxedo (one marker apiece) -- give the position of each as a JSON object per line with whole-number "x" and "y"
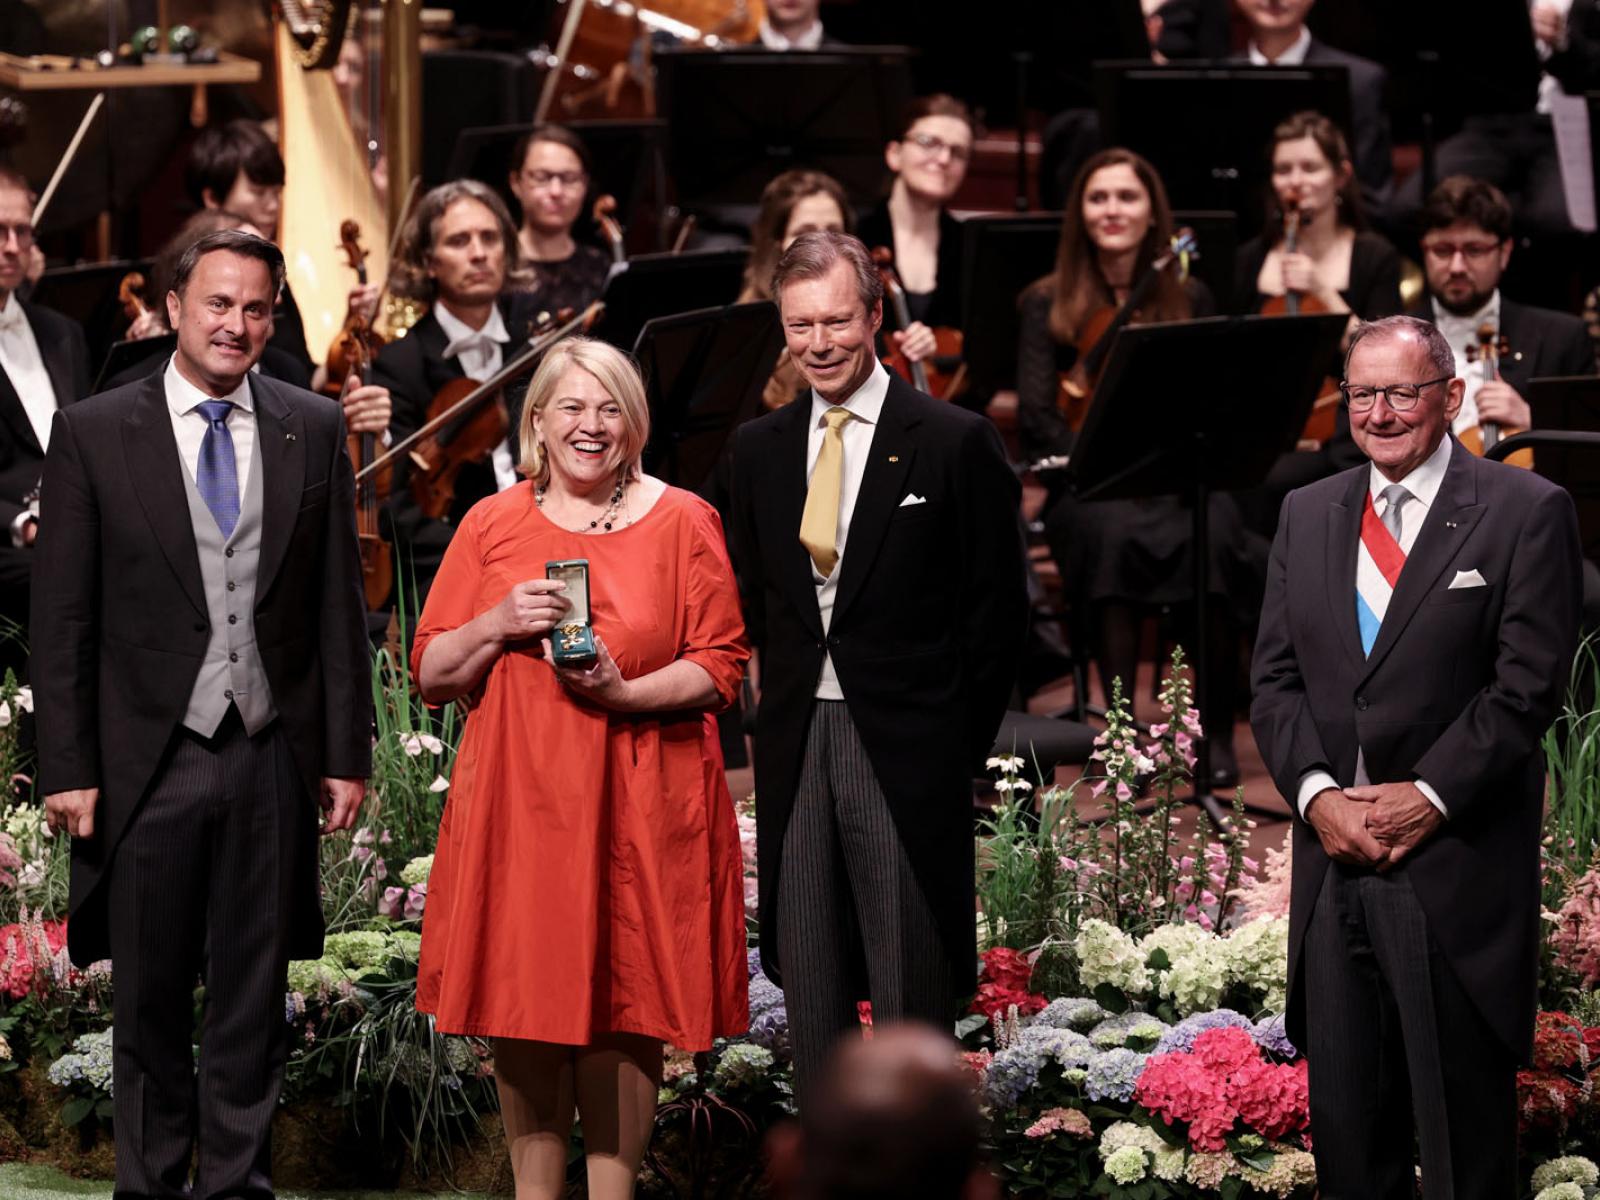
{"x": 876, "y": 539}
{"x": 44, "y": 364}
{"x": 459, "y": 255}
{"x": 1420, "y": 619}
{"x": 202, "y": 686}
{"x": 1466, "y": 246}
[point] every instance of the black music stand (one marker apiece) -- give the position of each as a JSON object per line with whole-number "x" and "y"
{"x": 1206, "y": 127}
{"x": 1570, "y": 403}
{"x": 1001, "y": 255}
{"x": 1193, "y": 407}
{"x": 737, "y": 118}
{"x": 88, "y": 294}
{"x": 660, "y": 285}
{"x": 704, "y": 372}
{"x": 124, "y": 356}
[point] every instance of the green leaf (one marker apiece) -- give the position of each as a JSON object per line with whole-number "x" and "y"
{"x": 970, "y": 1023}
{"x": 75, "y": 1110}
{"x": 1111, "y": 999}
{"x": 1158, "y": 960}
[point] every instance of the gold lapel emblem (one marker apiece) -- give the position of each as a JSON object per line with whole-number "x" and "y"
{"x": 894, "y": 458}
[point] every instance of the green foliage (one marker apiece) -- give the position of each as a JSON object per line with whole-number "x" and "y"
{"x": 1572, "y": 759}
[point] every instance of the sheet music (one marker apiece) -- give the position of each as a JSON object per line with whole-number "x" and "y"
{"x": 1569, "y": 116}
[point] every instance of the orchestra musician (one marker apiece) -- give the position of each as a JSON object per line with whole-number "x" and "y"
{"x": 1466, "y": 246}
{"x": 237, "y": 167}
{"x": 550, "y": 177}
{"x": 44, "y": 365}
{"x": 795, "y": 202}
{"x": 1118, "y": 556}
{"x": 929, "y": 161}
{"x": 459, "y": 254}
{"x": 792, "y": 25}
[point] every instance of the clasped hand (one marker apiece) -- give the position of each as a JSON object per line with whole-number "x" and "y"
{"x": 603, "y": 683}
{"x": 1373, "y": 826}
{"x": 530, "y": 609}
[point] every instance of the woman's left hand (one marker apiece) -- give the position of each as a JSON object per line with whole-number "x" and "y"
{"x": 603, "y": 683}
{"x": 917, "y": 342}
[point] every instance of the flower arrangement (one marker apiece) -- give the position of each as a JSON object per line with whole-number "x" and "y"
{"x": 1570, "y": 1177}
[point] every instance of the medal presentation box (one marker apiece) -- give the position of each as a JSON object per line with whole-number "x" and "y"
{"x": 572, "y": 642}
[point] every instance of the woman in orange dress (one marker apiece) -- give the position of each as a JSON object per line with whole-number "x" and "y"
{"x": 586, "y": 899}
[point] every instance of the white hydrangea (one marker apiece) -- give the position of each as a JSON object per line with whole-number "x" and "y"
{"x": 1571, "y": 1168}
{"x": 1197, "y": 978}
{"x": 1258, "y": 958}
{"x": 1107, "y": 955}
{"x": 1561, "y": 1191}
{"x": 1127, "y": 1165}
{"x": 417, "y": 870}
{"x": 1126, "y": 1133}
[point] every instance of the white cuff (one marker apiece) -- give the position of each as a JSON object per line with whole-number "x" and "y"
{"x": 1433, "y": 798}
{"x": 19, "y": 525}
{"x": 1311, "y": 783}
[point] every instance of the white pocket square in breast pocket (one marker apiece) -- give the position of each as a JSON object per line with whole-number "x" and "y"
{"x": 913, "y": 498}
{"x": 1467, "y": 579}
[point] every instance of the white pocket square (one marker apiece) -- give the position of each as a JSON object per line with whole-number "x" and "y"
{"x": 913, "y": 498}
{"x": 1467, "y": 579}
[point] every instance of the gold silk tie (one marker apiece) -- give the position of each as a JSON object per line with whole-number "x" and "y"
{"x": 819, "y": 524}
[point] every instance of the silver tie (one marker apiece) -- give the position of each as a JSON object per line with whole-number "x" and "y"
{"x": 1394, "y": 496}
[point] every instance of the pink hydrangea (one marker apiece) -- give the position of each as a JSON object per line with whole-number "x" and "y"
{"x": 1272, "y": 1098}
{"x": 1221, "y": 1082}
{"x": 1060, "y": 1120}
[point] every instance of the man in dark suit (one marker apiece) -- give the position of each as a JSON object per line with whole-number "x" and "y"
{"x": 1466, "y": 246}
{"x": 1419, "y": 624}
{"x": 44, "y": 364}
{"x": 202, "y": 686}
{"x": 876, "y": 539}
{"x": 1279, "y": 37}
{"x": 460, "y": 256}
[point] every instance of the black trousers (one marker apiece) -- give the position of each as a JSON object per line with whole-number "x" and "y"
{"x": 200, "y": 892}
{"x": 847, "y": 894}
{"x": 1400, "y": 1058}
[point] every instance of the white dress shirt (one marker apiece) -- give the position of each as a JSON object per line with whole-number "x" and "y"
{"x": 479, "y": 352}
{"x": 1292, "y": 57}
{"x": 189, "y": 425}
{"x": 19, "y": 355}
{"x": 1423, "y": 483}
{"x": 1549, "y": 87}
{"x": 810, "y": 39}
{"x": 866, "y": 406}
{"x": 1462, "y": 333}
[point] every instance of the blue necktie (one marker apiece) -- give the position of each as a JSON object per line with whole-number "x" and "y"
{"x": 218, "y": 477}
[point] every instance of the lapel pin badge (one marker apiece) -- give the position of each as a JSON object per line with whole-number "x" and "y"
{"x": 1449, "y": 524}
{"x": 894, "y": 458}
{"x": 288, "y": 437}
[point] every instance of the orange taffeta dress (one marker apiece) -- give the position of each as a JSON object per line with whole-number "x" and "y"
{"x": 587, "y": 878}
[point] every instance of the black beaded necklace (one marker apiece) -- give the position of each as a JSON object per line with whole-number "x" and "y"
{"x": 607, "y": 518}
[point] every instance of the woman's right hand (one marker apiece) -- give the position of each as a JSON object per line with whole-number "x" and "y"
{"x": 1300, "y": 274}
{"x": 531, "y": 609}
{"x": 147, "y": 324}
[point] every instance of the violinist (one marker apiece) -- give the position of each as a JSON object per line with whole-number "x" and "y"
{"x": 549, "y": 178}
{"x": 1466, "y": 245}
{"x": 1119, "y": 556}
{"x": 795, "y": 202}
{"x": 44, "y": 365}
{"x": 237, "y": 167}
{"x": 458, "y": 254}
{"x": 929, "y": 162}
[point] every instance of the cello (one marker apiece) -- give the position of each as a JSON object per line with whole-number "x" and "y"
{"x": 926, "y": 376}
{"x": 350, "y": 356}
{"x": 1322, "y": 420}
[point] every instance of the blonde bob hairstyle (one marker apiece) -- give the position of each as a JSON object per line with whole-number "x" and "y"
{"x": 619, "y": 376}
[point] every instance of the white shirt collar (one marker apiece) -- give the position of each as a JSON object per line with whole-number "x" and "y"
{"x": 1292, "y": 57}
{"x": 811, "y": 39}
{"x": 865, "y": 403}
{"x": 183, "y": 396}
{"x": 1424, "y": 480}
{"x": 461, "y": 335}
{"x": 1454, "y": 326}
{"x": 11, "y": 315}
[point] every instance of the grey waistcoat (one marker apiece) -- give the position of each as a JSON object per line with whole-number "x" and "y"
{"x": 232, "y": 671}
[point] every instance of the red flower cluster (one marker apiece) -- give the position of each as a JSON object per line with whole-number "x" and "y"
{"x": 23, "y": 957}
{"x": 1222, "y": 1081}
{"x": 1560, "y": 1087}
{"x": 1004, "y": 982}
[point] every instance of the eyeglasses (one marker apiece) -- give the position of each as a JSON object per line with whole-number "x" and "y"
{"x": 1402, "y": 397}
{"x": 1471, "y": 251}
{"x": 23, "y": 234}
{"x": 933, "y": 145}
{"x": 569, "y": 180}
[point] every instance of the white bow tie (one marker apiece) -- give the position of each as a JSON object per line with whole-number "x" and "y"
{"x": 12, "y": 317}
{"x": 479, "y": 339}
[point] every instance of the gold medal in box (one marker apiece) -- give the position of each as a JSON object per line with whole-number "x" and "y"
{"x": 572, "y": 641}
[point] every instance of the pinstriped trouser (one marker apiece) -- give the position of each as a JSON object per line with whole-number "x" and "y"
{"x": 1400, "y": 1057}
{"x": 846, "y": 889}
{"x": 199, "y": 889}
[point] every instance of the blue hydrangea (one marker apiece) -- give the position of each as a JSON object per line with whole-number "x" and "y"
{"x": 1271, "y": 1036}
{"x": 89, "y": 1062}
{"x": 1130, "y": 1029}
{"x": 743, "y": 1065}
{"x": 1180, "y": 1038}
{"x": 1011, "y": 1073}
{"x": 1113, "y": 1074}
{"x": 769, "y": 1018}
{"x": 1067, "y": 1048}
{"x": 1071, "y": 1012}
{"x": 752, "y": 960}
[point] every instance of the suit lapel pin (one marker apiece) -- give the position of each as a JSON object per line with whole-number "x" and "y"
{"x": 1449, "y": 524}
{"x": 288, "y": 437}
{"x": 894, "y": 458}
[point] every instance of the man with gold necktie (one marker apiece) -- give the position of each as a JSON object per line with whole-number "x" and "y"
{"x": 876, "y": 540}
{"x": 1420, "y": 618}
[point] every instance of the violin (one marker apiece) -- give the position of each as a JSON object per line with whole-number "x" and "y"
{"x": 1098, "y": 333}
{"x": 610, "y": 228}
{"x": 1491, "y": 347}
{"x": 350, "y": 354}
{"x": 927, "y": 376}
{"x": 130, "y": 294}
{"x": 1322, "y": 420}
{"x": 468, "y": 419}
